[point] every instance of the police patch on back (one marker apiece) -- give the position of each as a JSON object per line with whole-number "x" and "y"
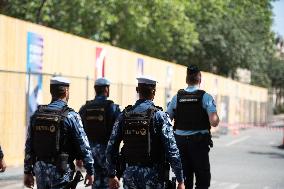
{"x": 190, "y": 114}
{"x": 98, "y": 121}
{"x": 136, "y": 136}
{"x": 46, "y": 132}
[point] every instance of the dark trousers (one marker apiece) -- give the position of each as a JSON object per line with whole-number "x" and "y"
{"x": 194, "y": 151}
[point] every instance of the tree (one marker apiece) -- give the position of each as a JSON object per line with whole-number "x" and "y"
{"x": 218, "y": 35}
{"x": 233, "y": 34}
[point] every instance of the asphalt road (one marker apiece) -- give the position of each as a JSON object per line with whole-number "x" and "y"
{"x": 249, "y": 159}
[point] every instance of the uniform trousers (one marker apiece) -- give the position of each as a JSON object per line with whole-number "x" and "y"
{"x": 49, "y": 177}
{"x": 141, "y": 177}
{"x": 194, "y": 151}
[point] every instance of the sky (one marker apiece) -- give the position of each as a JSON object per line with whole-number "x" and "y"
{"x": 278, "y": 11}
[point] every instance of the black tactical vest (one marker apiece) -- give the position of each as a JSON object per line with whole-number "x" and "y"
{"x": 142, "y": 144}
{"x": 190, "y": 115}
{"x": 98, "y": 121}
{"x": 48, "y": 133}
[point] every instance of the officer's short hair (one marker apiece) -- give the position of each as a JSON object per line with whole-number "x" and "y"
{"x": 146, "y": 90}
{"x": 57, "y": 91}
{"x": 192, "y": 76}
{"x": 100, "y": 89}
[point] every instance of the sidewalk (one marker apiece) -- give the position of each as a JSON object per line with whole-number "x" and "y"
{"x": 12, "y": 173}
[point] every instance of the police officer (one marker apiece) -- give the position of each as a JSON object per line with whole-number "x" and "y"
{"x": 2, "y": 162}
{"x": 194, "y": 112}
{"x": 55, "y": 137}
{"x": 98, "y": 117}
{"x": 147, "y": 135}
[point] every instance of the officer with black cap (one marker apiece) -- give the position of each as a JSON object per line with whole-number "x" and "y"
{"x": 55, "y": 137}
{"x": 2, "y": 162}
{"x": 98, "y": 117}
{"x": 148, "y": 140}
{"x": 194, "y": 112}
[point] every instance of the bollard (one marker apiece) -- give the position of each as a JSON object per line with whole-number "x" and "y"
{"x": 282, "y": 145}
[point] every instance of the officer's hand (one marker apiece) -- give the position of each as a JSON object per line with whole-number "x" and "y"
{"x": 89, "y": 179}
{"x": 113, "y": 183}
{"x": 79, "y": 163}
{"x": 29, "y": 180}
{"x": 181, "y": 185}
{"x": 2, "y": 165}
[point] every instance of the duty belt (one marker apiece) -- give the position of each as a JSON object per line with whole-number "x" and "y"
{"x": 197, "y": 136}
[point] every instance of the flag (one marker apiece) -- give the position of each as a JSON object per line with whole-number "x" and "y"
{"x": 100, "y": 62}
{"x": 34, "y": 65}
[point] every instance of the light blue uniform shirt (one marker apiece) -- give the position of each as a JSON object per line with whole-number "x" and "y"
{"x": 208, "y": 103}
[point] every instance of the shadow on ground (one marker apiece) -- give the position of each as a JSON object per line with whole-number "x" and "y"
{"x": 273, "y": 155}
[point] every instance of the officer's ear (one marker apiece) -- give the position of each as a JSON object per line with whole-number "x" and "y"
{"x": 137, "y": 89}
{"x": 107, "y": 90}
{"x": 67, "y": 90}
{"x": 67, "y": 93}
{"x": 199, "y": 78}
{"x": 154, "y": 91}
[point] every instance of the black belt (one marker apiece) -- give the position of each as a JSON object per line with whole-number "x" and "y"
{"x": 197, "y": 136}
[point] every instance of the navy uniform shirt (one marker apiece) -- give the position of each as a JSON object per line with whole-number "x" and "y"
{"x": 208, "y": 104}
{"x": 160, "y": 118}
{"x": 74, "y": 124}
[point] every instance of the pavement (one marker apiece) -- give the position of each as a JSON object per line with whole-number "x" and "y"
{"x": 12, "y": 173}
{"x": 12, "y": 178}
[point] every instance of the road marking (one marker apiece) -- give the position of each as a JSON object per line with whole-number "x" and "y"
{"x": 234, "y": 186}
{"x": 226, "y": 185}
{"x": 271, "y": 144}
{"x": 266, "y": 187}
{"x": 237, "y": 141}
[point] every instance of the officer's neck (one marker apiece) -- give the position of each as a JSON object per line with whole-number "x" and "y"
{"x": 195, "y": 85}
{"x": 102, "y": 95}
{"x": 62, "y": 99}
{"x": 145, "y": 98}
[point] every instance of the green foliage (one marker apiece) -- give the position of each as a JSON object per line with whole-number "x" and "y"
{"x": 276, "y": 73}
{"x": 218, "y": 35}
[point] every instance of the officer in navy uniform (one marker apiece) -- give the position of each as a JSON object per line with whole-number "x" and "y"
{"x": 2, "y": 162}
{"x": 194, "y": 112}
{"x": 98, "y": 117}
{"x": 55, "y": 137}
{"x": 148, "y": 139}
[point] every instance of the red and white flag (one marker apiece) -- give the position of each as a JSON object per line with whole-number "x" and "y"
{"x": 100, "y": 62}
